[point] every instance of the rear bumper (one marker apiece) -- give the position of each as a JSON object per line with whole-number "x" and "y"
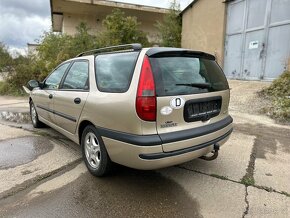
{"x": 152, "y": 140}
{"x": 185, "y": 150}
{"x": 146, "y": 152}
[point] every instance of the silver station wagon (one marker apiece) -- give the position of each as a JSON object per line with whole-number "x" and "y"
{"x": 145, "y": 108}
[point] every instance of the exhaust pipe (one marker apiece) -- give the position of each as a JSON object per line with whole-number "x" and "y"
{"x": 215, "y": 152}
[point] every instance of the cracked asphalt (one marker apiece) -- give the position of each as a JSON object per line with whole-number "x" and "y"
{"x": 42, "y": 175}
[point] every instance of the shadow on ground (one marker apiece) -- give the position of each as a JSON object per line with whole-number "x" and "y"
{"x": 125, "y": 193}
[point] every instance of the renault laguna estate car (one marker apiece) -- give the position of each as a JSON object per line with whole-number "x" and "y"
{"x": 145, "y": 108}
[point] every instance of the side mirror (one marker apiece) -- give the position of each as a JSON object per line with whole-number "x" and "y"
{"x": 33, "y": 84}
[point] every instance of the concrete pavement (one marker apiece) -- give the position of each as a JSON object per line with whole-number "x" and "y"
{"x": 267, "y": 204}
{"x": 27, "y": 158}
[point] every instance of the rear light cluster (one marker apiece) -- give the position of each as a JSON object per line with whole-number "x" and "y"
{"x": 146, "y": 96}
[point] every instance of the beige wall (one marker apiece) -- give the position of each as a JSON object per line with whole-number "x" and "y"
{"x": 203, "y": 27}
{"x": 70, "y": 21}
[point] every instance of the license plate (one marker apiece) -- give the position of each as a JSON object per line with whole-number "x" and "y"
{"x": 202, "y": 109}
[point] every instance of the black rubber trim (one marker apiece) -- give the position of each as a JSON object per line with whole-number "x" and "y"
{"x": 195, "y": 132}
{"x": 151, "y": 140}
{"x": 156, "y": 156}
{"x": 58, "y": 113}
{"x": 148, "y": 140}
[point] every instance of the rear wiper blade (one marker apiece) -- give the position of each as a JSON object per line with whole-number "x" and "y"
{"x": 197, "y": 85}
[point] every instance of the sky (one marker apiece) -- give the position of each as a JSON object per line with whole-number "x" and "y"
{"x": 24, "y": 21}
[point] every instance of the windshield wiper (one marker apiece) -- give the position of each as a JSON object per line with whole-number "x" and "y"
{"x": 196, "y": 85}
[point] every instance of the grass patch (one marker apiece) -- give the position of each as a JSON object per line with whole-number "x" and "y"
{"x": 279, "y": 94}
{"x": 248, "y": 181}
{"x": 219, "y": 177}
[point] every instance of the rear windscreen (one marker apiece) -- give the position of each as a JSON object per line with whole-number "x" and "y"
{"x": 187, "y": 75}
{"x": 114, "y": 71}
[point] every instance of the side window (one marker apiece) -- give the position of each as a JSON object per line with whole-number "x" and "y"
{"x": 114, "y": 71}
{"x": 78, "y": 76}
{"x": 53, "y": 81}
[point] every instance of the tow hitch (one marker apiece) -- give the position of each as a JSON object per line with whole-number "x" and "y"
{"x": 215, "y": 153}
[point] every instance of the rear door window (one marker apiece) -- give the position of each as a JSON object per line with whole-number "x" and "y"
{"x": 187, "y": 75}
{"x": 114, "y": 71}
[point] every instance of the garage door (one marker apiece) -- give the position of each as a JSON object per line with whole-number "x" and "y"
{"x": 257, "y": 45}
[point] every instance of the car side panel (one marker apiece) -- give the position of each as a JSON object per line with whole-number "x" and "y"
{"x": 67, "y": 112}
{"x": 43, "y": 104}
{"x": 69, "y": 135}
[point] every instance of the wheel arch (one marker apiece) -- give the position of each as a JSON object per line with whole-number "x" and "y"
{"x": 83, "y": 124}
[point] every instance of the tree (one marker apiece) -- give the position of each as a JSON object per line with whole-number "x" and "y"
{"x": 82, "y": 40}
{"x": 56, "y": 48}
{"x": 170, "y": 28}
{"x": 122, "y": 30}
{"x": 53, "y": 49}
{"x": 5, "y": 58}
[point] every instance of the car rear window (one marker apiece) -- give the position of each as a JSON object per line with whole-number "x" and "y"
{"x": 187, "y": 75}
{"x": 114, "y": 71}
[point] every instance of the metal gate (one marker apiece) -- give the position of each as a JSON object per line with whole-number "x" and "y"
{"x": 257, "y": 45}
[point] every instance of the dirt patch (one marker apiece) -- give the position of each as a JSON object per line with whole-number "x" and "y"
{"x": 245, "y": 98}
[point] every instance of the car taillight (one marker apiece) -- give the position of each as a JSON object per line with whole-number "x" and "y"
{"x": 146, "y": 98}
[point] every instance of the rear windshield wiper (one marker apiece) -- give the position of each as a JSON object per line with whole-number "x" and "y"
{"x": 196, "y": 85}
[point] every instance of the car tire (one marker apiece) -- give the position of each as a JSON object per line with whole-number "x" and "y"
{"x": 94, "y": 152}
{"x": 34, "y": 117}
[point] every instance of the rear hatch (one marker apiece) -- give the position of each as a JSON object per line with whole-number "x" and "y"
{"x": 191, "y": 91}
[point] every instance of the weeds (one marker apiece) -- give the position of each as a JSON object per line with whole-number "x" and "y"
{"x": 248, "y": 181}
{"x": 219, "y": 177}
{"x": 279, "y": 94}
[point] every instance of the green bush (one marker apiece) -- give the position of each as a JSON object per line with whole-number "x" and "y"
{"x": 279, "y": 93}
{"x": 7, "y": 89}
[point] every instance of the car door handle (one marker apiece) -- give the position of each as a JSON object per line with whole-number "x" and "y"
{"x": 77, "y": 100}
{"x": 50, "y": 96}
